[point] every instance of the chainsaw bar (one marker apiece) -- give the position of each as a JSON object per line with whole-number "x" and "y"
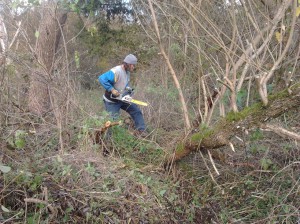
{"x": 126, "y": 97}
{"x": 139, "y": 102}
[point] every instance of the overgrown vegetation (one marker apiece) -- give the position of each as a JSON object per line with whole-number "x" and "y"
{"x": 258, "y": 182}
{"x": 57, "y": 166}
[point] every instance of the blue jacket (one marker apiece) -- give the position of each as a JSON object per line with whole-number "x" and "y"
{"x": 116, "y": 78}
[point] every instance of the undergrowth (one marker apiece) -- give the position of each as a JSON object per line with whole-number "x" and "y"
{"x": 41, "y": 183}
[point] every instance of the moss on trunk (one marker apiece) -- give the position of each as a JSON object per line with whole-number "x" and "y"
{"x": 220, "y": 134}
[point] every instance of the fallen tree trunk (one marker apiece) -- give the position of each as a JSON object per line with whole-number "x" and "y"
{"x": 234, "y": 123}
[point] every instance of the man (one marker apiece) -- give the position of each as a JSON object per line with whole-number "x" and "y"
{"x": 115, "y": 82}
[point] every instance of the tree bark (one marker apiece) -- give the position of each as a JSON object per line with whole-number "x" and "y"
{"x": 235, "y": 123}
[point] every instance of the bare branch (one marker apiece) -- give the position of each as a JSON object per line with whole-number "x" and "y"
{"x": 213, "y": 163}
{"x": 174, "y": 76}
{"x": 267, "y": 77}
{"x": 16, "y": 35}
{"x": 3, "y": 41}
{"x": 281, "y": 131}
{"x": 38, "y": 201}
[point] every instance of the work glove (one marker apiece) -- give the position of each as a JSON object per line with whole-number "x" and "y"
{"x": 115, "y": 93}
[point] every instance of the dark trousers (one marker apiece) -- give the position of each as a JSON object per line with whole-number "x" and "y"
{"x": 132, "y": 109}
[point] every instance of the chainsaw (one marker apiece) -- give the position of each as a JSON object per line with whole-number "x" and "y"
{"x": 126, "y": 97}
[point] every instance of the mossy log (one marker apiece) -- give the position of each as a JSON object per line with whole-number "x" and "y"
{"x": 234, "y": 123}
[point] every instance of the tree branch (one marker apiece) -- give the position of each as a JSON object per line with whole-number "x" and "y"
{"x": 233, "y": 123}
{"x": 174, "y": 76}
{"x": 281, "y": 131}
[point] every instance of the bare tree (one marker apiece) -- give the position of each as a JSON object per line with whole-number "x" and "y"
{"x": 48, "y": 37}
{"x": 248, "y": 52}
{"x": 174, "y": 76}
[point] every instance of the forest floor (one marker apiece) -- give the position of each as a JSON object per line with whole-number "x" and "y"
{"x": 43, "y": 182}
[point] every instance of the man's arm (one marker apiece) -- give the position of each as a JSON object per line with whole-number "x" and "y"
{"x": 107, "y": 80}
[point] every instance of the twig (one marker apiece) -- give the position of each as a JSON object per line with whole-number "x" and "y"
{"x": 11, "y": 218}
{"x": 293, "y": 163}
{"x": 281, "y": 131}
{"x": 225, "y": 84}
{"x": 231, "y": 146}
{"x": 38, "y": 201}
{"x": 16, "y": 35}
{"x": 212, "y": 177}
{"x": 213, "y": 163}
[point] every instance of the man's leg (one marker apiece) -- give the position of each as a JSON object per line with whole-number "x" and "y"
{"x": 136, "y": 114}
{"x": 114, "y": 111}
